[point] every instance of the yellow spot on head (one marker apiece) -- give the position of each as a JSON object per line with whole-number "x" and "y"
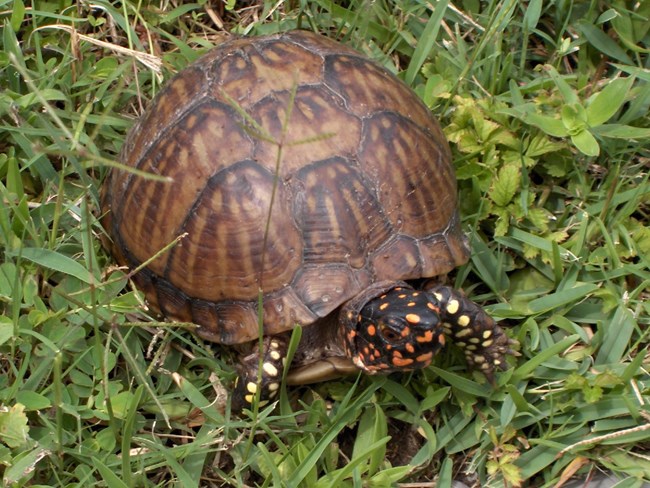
{"x": 453, "y": 306}
{"x": 438, "y": 296}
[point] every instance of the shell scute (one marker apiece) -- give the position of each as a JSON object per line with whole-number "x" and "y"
{"x": 224, "y": 256}
{"x": 344, "y": 224}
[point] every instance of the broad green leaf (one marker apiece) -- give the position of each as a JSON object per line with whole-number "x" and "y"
{"x": 372, "y": 428}
{"x": 618, "y": 131}
{"x": 605, "y": 104}
{"x": 553, "y": 127}
{"x": 111, "y": 479}
{"x": 586, "y": 143}
{"x": 506, "y": 185}
{"x": 17, "y": 14}
{"x": 57, "y": 262}
{"x": 33, "y": 400}
{"x": 616, "y": 338}
{"x": 568, "y": 93}
{"x": 574, "y": 118}
{"x": 23, "y": 465}
{"x": 603, "y": 42}
{"x": 531, "y": 17}
{"x": 426, "y": 42}
{"x": 6, "y": 329}
{"x": 389, "y": 477}
{"x": 561, "y": 298}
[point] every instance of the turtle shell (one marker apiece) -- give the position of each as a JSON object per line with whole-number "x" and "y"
{"x": 301, "y": 172}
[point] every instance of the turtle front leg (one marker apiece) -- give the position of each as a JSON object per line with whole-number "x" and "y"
{"x": 484, "y": 343}
{"x": 266, "y": 379}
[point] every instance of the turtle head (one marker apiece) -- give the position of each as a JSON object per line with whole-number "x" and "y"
{"x": 399, "y": 330}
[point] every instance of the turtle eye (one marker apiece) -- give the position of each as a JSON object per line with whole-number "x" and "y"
{"x": 389, "y": 334}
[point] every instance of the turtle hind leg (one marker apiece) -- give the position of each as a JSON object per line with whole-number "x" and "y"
{"x": 467, "y": 325}
{"x": 255, "y": 382}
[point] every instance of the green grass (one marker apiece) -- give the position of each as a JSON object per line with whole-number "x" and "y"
{"x": 546, "y": 105}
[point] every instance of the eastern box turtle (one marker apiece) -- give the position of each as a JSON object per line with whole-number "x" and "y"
{"x": 307, "y": 173}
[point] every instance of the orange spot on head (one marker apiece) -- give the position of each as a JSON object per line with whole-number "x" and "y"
{"x": 383, "y": 306}
{"x": 425, "y": 358}
{"x": 401, "y": 296}
{"x": 397, "y": 354}
{"x": 441, "y": 339}
{"x": 433, "y": 307}
{"x": 401, "y": 363}
{"x": 427, "y": 337}
{"x": 410, "y": 304}
{"x": 352, "y": 334}
{"x": 409, "y": 347}
{"x": 406, "y": 331}
{"x": 372, "y": 330}
{"x": 413, "y": 318}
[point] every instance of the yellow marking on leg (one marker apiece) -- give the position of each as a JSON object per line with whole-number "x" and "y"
{"x": 463, "y": 333}
{"x": 249, "y": 398}
{"x": 275, "y": 355}
{"x": 438, "y": 296}
{"x": 487, "y": 343}
{"x": 251, "y": 387}
{"x": 487, "y": 334}
{"x": 463, "y": 320}
{"x": 453, "y": 306}
{"x": 273, "y": 386}
{"x": 270, "y": 369}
